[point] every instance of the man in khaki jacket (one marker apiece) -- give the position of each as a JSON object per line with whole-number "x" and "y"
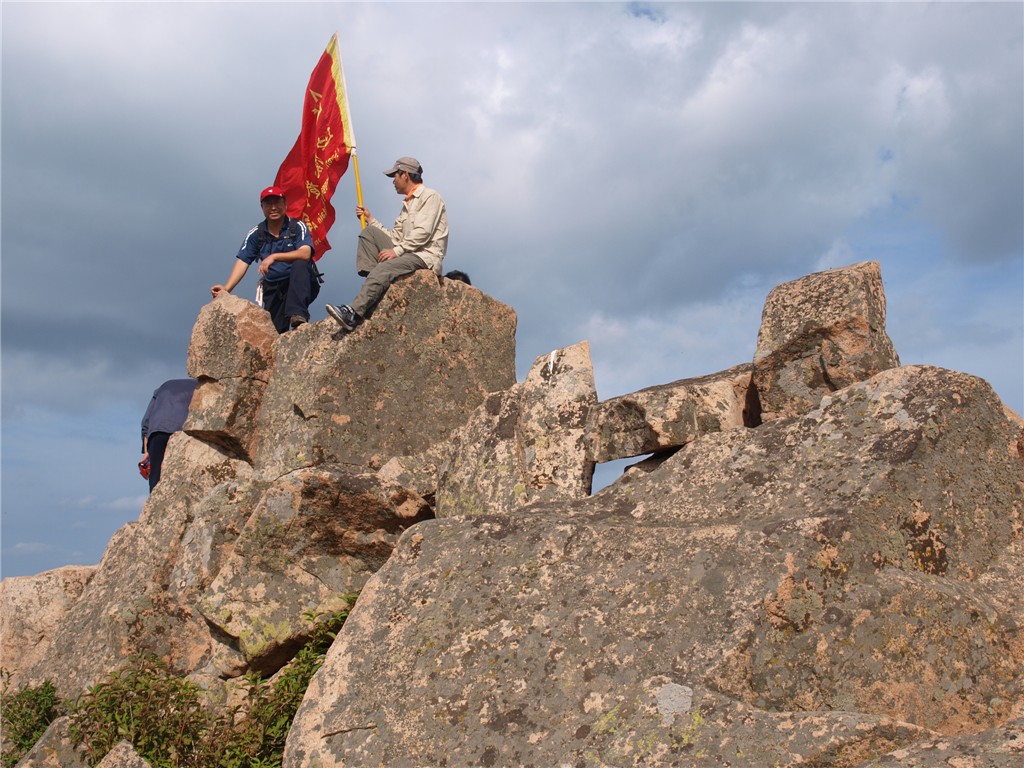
{"x": 418, "y": 240}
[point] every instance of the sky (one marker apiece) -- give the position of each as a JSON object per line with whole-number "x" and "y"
{"x": 636, "y": 175}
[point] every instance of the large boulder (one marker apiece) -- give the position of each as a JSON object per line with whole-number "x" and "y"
{"x": 399, "y": 383}
{"x": 172, "y": 583}
{"x": 32, "y": 608}
{"x": 818, "y": 334}
{"x": 669, "y": 416}
{"x": 815, "y": 591}
{"x": 525, "y": 444}
{"x": 232, "y": 355}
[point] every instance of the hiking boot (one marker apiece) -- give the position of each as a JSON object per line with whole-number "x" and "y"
{"x": 296, "y": 321}
{"x": 345, "y": 315}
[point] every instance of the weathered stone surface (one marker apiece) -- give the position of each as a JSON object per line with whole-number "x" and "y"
{"x": 223, "y": 413}
{"x": 139, "y": 598}
{"x": 525, "y": 444}
{"x": 315, "y": 536}
{"x": 554, "y": 663}
{"x": 232, "y": 355}
{"x": 419, "y": 472}
{"x": 843, "y": 587}
{"x": 396, "y": 385}
{"x": 671, "y": 415}
{"x": 1001, "y": 747}
{"x": 123, "y": 755}
{"x": 31, "y": 610}
{"x": 55, "y": 749}
{"x": 818, "y": 334}
{"x": 232, "y": 338}
{"x": 817, "y": 591}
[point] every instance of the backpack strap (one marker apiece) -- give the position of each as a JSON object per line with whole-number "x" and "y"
{"x": 261, "y": 233}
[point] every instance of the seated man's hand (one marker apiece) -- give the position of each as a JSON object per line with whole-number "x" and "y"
{"x": 386, "y": 255}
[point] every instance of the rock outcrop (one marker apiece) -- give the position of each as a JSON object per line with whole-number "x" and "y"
{"x": 143, "y": 595}
{"x": 123, "y": 755}
{"x": 818, "y": 334}
{"x": 829, "y": 586}
{"x": 525, "y": 444}
{"x": 822, "y": 565}
{"x": 232, "y": 355}
{"x": 311, "y": 541}
{"x": 268, "y": 506}
{"x": 393, "y": 387}
{"x": 669, "y": 416}
{"x": 33, "y": 609}
{"x": 55, "y": 749}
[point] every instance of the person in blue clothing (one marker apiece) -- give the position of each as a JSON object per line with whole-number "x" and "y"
{"x": 289, "y": 279}
{"x": 165, "y": 415}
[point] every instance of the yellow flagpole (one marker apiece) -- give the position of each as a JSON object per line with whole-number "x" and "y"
{"x": 359, "y": 186}
{"x": 342, "y": 89}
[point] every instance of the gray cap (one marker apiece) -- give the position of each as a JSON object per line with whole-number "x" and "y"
{"x": 407, "y": 164}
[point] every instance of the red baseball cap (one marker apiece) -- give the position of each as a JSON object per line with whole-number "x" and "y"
{"x": 271, "y": 192}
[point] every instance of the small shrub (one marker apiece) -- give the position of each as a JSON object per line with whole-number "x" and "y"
{"x": 162, "y": 716}
{"x": 143, "y": 703}
{"x": 24, "y": 716}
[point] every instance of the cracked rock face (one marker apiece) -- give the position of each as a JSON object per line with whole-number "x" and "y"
{"x": 312, "y": 540}
{"x": 525, "y": 444}
{"x": 268, "y": 506}
{"x": 31, "y": 609}
{"x": 818, "y": 334}
{"x": 826, "y": 588}
{"x": 232, "y": 355}
{"x": 672, "y": 415}
{"x": 396, "y": 385}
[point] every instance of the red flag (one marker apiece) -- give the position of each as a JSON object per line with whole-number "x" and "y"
{"x": 310, "y": 173}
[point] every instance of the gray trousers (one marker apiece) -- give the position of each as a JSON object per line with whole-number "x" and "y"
{"x": 379, "y": 274}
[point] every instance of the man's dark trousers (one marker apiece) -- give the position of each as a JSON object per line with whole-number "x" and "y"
{"x": 284, "y": 299}
{"x": 156, "y": 446}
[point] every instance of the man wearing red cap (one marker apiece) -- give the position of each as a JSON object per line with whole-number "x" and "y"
{"x": 284, "y": 249}
{"x": 418, "y": 240}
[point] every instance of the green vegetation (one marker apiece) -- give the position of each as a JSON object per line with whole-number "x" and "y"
{"x": 162, "y": 715}
{"x": 24, "y": 716}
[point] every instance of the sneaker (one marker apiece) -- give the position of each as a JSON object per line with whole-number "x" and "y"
{"x": 345, "y": 315}
{"x": 296, "y": 321}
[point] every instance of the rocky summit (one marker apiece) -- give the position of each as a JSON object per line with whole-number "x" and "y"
{"x": 817, "y": 559}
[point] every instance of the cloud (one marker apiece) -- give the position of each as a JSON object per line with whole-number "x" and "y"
{"x": 31, "y": 548}
{"x": 640, "y": 175}
{"x": 131, "y": 504}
